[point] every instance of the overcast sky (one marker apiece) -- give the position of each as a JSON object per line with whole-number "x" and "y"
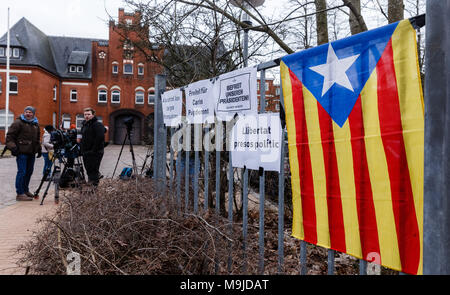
{"x": 74, "y": 18}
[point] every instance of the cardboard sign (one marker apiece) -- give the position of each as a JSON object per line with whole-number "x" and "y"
{"x": 236, "y": 93}
{"x": 256, "y": 142}
{"x": 171, "y": 106}
{"x": 199, "y": 102}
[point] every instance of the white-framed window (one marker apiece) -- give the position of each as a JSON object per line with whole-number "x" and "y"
{"x": 16, "y": 52}
{"x": 128, "y": 22}
{"x": 0, "y": 84}
{"x": 80, "y": 69}
{"x": 128, "y": 68}
{"x": 2, "y": 51}
{"x": 54, "y": 92}
{"x": 102, "y": 55}
{"x": 102, "y": 95}
{"x": 140, "y": 69}
{"x": 115, "y": 67}
{"x": 73, "y": 95}
{"x": 66, "y": 121}
{"x": 13, "y": 84}
{"x": 151, "y": 97}
{"x": 54, "y": 119}
{"x": 72, "y": 69}
{"x": 115, "y": 96}
{"x": 79, "y": 121}
{"x": 100, "y": 119}
{"x": 2, "y": 118}
{"x": 139, "y": 97}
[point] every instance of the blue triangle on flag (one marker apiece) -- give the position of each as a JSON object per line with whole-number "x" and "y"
{"x": 340, "y": 98}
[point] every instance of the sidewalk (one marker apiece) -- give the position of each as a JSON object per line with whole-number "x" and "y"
{"x": 18, "y": 220}
{"x": 17, "y": 223}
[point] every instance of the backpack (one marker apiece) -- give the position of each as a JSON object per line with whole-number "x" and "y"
{"x": 126, "y": 173}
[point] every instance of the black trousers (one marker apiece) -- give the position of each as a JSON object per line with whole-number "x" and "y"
{"x": 92, "y": 165}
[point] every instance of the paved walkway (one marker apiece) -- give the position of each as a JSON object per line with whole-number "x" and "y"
{"x": 18, "y": 220}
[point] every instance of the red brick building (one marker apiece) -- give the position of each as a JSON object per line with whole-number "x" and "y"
{"x": 61, "y": 76}
{"x": 272, "y": 95}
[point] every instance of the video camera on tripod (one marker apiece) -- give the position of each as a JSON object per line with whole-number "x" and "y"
{"x": 66, "y": 153}
{"x": 64, "y": 140}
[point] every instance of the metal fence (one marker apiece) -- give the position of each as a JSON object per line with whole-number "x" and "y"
{"x": 167, "y": 169}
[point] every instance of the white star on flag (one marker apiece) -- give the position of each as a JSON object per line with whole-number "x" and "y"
{"x": 334, "y": 70}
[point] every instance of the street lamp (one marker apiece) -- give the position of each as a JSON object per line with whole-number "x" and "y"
{"x": 246, "y": 20}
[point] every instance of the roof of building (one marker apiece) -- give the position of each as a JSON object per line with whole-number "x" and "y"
{"x": 52, "y": 53}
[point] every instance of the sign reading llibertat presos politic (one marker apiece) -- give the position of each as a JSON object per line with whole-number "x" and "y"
{"x": 172, "y": 106}
{"x": 235, "y": 92}
{"x": 256, "y": 142}
{"x": 199, "y": 102}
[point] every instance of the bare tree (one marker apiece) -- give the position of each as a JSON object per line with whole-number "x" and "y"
{"x": 321, "y": 21}
{"x": 395, "y": 10}
{"x": 356, "y": 20}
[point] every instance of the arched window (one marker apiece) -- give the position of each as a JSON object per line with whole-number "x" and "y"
{"x": 115, "y": 96}
{"x": 139, "y": 97}
{"x": 115, "y": 67}
{"x": 2, "y": 118}
{"x": 151, "y": 96}
{"x": 102, "y": 95}
{"x": 140, "y": 69}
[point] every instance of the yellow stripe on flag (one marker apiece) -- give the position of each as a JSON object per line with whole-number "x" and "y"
{"x": 379, "y": 176}
{"x": 318, "y": 168}
{"x": 297, "y": 222}
{"x": 343, "y": 146}
{"x": 404, "y": 47}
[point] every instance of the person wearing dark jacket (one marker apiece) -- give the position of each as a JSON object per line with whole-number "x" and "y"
{"x": 23, "y": 140}
{"x": 92, "y": 145}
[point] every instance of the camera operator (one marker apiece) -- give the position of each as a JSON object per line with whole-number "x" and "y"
{"x": 92, "y": 145}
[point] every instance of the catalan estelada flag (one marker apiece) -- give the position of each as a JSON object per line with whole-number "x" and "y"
{"x": 355, "y": 122}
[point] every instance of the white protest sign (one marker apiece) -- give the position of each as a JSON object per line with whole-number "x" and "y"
{"x": 256, "y": 142}
{"x": 171, "y": 106}
{"x": 269, "y": 142}
{"x": 236, "y": 93}
{"x": 244, "y": 151}
{"x": 199, "y": 102}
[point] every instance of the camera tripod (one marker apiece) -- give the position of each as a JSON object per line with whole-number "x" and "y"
{"x": 74, "y": 167}
{"x": 127, "y": 136}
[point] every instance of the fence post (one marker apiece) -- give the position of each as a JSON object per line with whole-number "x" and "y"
{"x": 262, "y": 177}
{"x": 160, "y": 132}
{"x": 186, "y": 167}
{"x": 207, "y": 148}
{"x": 436, "y": 237}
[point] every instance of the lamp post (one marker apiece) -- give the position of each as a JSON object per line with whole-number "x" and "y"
{"x": 246, "y": 20}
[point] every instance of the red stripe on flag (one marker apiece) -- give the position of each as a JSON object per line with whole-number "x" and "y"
{"x": 368, "y": 229}
{"x": 305, "y": 169}
{"x": 335, "y": 213}
{"x": 394, "y": 147}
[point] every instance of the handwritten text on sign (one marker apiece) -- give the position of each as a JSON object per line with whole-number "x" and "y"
{"x": 199, "y": 102}
{"x": 256, "y": 142}
{"x": 171, "y": 106}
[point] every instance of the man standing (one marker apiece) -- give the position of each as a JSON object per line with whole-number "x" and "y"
{"x": 23, "y": 140}
{"x": 92, "y": 145}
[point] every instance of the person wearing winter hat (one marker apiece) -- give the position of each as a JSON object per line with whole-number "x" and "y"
{"x": 23, "y": 140}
